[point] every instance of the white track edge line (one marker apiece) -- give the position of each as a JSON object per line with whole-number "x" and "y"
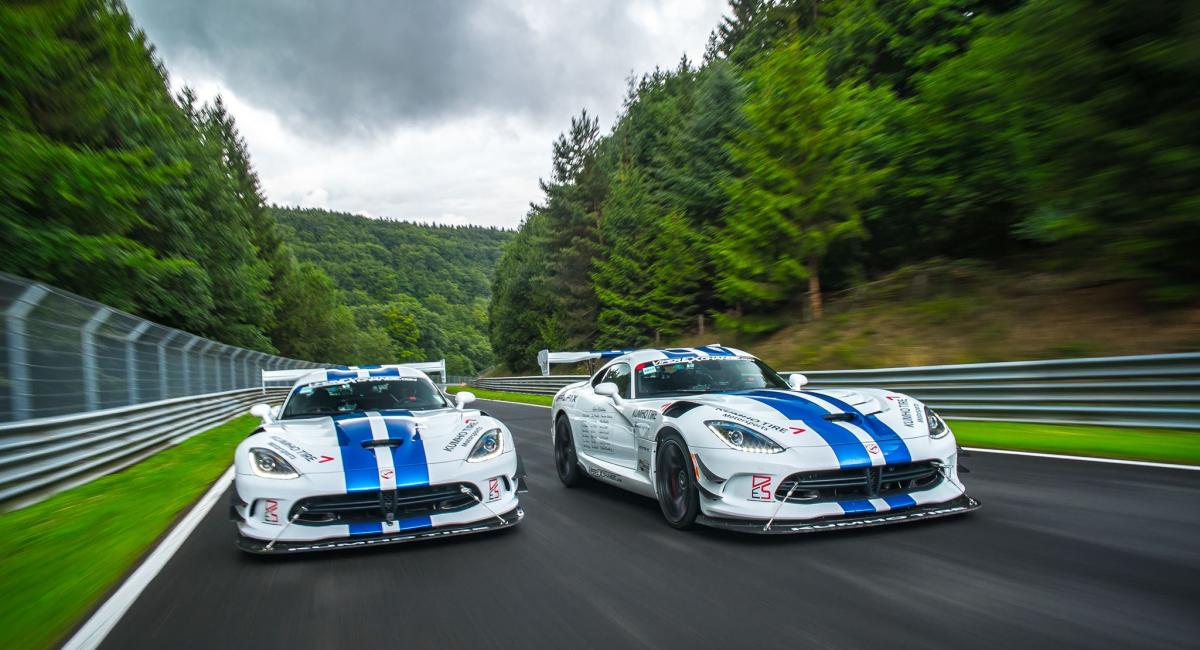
{"x": 93, "y": 632}
{"x": 1093, "y": 459}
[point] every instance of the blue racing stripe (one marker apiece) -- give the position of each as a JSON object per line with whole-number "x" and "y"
{"x": 716, "y": 351}
{"x": 410, "y": 523}
{"x": 897, "y": 501}
{"x": 849, "y": 449}
{"x": 890, "y": 443}
{"x": 412, "y": 470}
{"x": 366, "y": 528}
{"x": 385, "y": 372}
{"x": 334, "y": 375}
{"x": 856, "y": 507}
{"x": 679, "y": 353}
{"x": 358, "y": 464}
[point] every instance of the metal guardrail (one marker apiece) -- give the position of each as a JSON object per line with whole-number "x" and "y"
{"x": 1160, "y": 390}
{"x": 540, "y": 385}
{"x": 47, "y": 455}
{"x": 62, "y": 354}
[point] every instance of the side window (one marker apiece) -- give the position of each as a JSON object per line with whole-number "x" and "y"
{"x": 619, "y": 375}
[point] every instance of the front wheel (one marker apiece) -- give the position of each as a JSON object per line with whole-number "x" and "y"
{"x": 677, "y": 494}
{"x": 565, "y": 460}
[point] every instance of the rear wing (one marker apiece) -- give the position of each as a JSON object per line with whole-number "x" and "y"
{"x": 291, "y": 375}
{"x": 546, "y": 357}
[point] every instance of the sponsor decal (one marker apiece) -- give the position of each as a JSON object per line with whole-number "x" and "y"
{"x": 906, "y": 411}
{"x": 300, "y": 451}
{"x": 353, "y": 380}
{"x": 493, "y": 489}
{"x": 760, "y": 488}
{"x": 270, "y": 511}
{"x": 604, "y": 474}
{"x": 797, "y": 430}
{"x": 325, "y": 459}
{"x": 568, "y": 399}
{"x": 873, "y": 449}
{"x": 645, "y": 414}
{"x": 463, "y": 437}
{"x": 387, "y": 474}
{"x": 753, "y": 423}
{"x": 690, "y": 360}
{"x": 643, "y": 466}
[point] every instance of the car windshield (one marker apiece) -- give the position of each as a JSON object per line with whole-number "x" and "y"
{"x": 672, "y": 377}
{"x": 358, "y": 395}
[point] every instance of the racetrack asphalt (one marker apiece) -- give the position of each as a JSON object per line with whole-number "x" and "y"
{"x": 1062, "y": 554}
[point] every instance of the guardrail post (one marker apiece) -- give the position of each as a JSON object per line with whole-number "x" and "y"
{"x": 204, "y": 365}
{"x": 186, "y": 365}
{"x": 131, "y": 359}
{"x": 233, "y": 380}
{"x": 87, "y": 358}
{"x": 162, "y": 363}
{"x": 18, "y": 360}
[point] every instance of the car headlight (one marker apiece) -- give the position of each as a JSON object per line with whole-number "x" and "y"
{"x": 489, "y": 445}
{"x": 269, "y": 464}
{"x": 743, "y": 438}
{"x": 937, "y": 426}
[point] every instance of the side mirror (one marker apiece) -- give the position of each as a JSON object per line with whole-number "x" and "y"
{"x": 609, "y": 390}
{"x": 462, "y": 398}
{"x": 797, "y": 381}
{"x": 263, "y": 412}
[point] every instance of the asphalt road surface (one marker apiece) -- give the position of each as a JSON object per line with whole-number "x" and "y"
{"x": 1062, "y": 554}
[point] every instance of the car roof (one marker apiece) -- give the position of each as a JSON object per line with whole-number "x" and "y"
{"x": 358, "y": 372}
{"x": 637, "y": 357}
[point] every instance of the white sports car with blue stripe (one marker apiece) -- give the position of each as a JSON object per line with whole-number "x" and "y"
{"x": 371, "y": 455}
{"x": 718, "y": 438}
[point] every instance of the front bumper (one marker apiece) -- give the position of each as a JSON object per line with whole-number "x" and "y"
{"x": 265, "y": 547}
{"x": 960, "y": 506}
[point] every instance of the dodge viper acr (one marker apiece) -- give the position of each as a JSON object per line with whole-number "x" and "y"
{"x": 720, "y": 439}
{"x": 367, "y": 456}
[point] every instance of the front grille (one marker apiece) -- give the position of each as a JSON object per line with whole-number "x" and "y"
{"x": 362, "y": 507}
{"x": 859, "y": 483}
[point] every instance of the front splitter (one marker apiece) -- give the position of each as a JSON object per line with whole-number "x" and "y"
{"x": 958, "y": 506}
{"x": 264, "y": 547}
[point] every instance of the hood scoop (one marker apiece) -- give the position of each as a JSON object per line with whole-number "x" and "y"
{"x": 389, "y": 442}
{"x": 839, "y": 417}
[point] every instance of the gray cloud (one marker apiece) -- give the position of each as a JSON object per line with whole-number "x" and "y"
{"x": 370, "y": 64}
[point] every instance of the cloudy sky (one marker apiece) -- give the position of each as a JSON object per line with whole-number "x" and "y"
{"x": 419, "y": 110}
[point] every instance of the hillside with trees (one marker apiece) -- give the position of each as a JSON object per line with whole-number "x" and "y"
{"x": 822, "y": 144}
{"x": 116, "y": 189}
{"x": 420, "y": 291}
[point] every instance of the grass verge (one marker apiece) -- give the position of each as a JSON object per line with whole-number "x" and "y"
{"x": 59, "y": 556}
{"x": 1158, "y": 445}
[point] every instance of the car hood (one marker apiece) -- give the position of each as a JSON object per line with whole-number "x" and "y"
{"x": 797, "y": 418}
{"x": 335, "y": 444}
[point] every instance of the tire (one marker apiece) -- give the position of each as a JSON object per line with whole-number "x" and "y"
{"x": 674, "y": 482}
{"x": 566, "y": 462}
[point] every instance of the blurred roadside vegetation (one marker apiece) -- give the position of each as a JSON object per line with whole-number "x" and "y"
{"x": 58, "y": 558}
{"x": 113, "y": 188}
{"x": 825, "y": 145}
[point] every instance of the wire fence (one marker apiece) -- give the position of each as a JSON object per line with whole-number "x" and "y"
{"x": 63, "y": 354}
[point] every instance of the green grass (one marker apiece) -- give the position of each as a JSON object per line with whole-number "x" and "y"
{"x": 524, "y": 398}
{"x": 1159, "y": 445}
{"x": 59, "y": 556}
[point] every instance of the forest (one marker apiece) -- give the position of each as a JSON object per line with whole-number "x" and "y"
{"x": 115, "y": 188}
{"x": 819, "y": 144}
{"x": 419, "y": 291}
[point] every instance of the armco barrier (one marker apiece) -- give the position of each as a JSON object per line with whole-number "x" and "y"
{"x": 47, "y": 455}
{"x": 1160, "y": 390}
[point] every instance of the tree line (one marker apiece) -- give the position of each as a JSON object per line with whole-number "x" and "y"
{"x": 416, "y": 292}
{"x": 820, "y": 143}
{"x": 116, "y": 189}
